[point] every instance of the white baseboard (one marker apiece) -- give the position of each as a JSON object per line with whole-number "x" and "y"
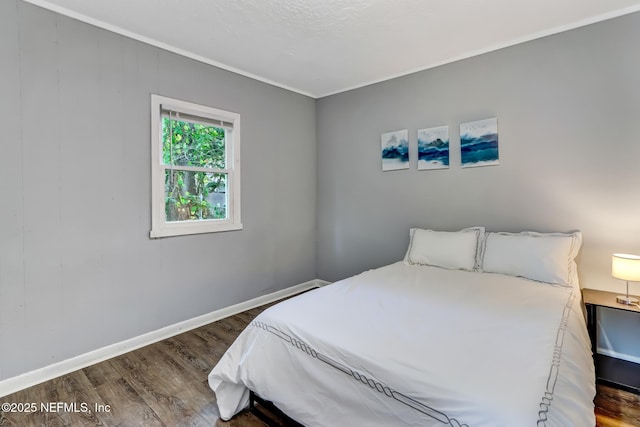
{"x": 623, "y": 356}
{"x": 37, "y": 376}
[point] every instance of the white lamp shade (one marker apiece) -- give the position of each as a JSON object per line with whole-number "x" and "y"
{"x": 626, "y": 267}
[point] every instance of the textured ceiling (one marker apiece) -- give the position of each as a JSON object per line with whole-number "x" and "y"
{"x": 321, "y": 47}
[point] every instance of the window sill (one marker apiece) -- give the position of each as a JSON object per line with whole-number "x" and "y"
{"x": 189, "y": 229}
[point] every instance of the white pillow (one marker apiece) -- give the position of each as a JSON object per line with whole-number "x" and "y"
{"x": 544, "y": 257}
{"x": 455, "y": 250}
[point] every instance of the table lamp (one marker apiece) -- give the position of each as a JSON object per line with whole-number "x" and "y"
{"x": 626, "y": 267}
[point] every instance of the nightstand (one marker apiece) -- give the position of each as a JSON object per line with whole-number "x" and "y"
{"x": 609, "y": 370}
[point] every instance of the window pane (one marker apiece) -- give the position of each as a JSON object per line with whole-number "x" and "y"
{"x": 195, "y": 196}
{"x": 192, "y": 144}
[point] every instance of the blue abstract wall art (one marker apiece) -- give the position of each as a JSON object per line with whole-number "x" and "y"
{"x": 395, "y": 150}
{"x": 479, "y": 143}
{"x": 433, "y": 148}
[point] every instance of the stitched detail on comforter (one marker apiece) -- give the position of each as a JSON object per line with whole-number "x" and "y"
{"x": 363, "y": 379}
{"x": 547, "y": 398}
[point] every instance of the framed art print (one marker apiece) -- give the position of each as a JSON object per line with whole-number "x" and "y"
{"x": 433, "y": 148}
{"x": 479, "y": 143}
{"x": 395, "y": 150}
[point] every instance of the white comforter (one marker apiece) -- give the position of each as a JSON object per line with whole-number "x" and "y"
{"x": 422, "y": 346}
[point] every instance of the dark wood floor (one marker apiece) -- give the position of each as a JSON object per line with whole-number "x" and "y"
{"x": 165, "y": 384}
{"x": 617, "y": 408}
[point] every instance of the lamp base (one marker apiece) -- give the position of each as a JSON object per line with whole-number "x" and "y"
{"x": 626, "y": 300}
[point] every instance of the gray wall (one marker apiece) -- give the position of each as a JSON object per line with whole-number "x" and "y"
{"x": 77, "y": 268}
{"x": 78, "y": 271}
{"x": 568, "y": 109}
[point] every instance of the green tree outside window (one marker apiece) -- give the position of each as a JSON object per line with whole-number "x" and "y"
{"x": 194, "y": 195}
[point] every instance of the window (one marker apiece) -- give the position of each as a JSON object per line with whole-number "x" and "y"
{"x": 195, "y": 168}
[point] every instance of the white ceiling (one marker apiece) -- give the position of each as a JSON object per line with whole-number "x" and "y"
{"x": 322, "y": 47}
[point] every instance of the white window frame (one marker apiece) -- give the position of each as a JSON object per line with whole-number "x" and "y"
{"x": 160, "y": 227}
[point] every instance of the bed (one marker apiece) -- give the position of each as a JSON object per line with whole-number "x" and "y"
{"x": 470, "y": 329}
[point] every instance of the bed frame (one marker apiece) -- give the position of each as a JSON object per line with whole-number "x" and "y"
{"x": 269, "y": 413}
